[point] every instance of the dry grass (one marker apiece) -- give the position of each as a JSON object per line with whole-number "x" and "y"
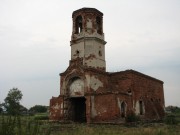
{"x": 83, "y": 129}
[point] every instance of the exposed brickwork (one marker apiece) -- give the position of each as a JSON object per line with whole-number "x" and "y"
{"x": 143, "y": 88}
{"x": 128, "y": 86}
{"x": 106, "y": 107}
{"x": 56, "y": 108}
{"x": 88, "y": 93}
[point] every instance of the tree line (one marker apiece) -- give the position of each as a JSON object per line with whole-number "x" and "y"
{"x": 12, "y": 105}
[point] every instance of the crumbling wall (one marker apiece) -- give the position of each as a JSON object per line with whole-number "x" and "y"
{"x": 87, "y": 40}
{"x": 96, "y": 82}
{"x": 106, "y": 95}
{"x": 56, "y": 108}
{"x": 148, "y": 91}
{"x": 144, "y": 93}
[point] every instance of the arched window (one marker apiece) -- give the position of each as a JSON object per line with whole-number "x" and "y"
{"x": 123, "y": 109}
{"x": 78, "y": 24}
{"x": 141, "y": 108}
{"x": 99, "y": 25}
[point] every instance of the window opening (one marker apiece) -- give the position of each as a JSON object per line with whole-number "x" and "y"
{"x": 123, "y": 109}
{"x": 77, "y": 52}
{"x": 78, "y": 24}
{"x": 100, "y": 53}
{"x": 98, "y": 25}
{"x": 141, "y": 108}
{"x": 159, "y": 100}
{"x": 129, "y": 92}
{"x": 152, "y": 99}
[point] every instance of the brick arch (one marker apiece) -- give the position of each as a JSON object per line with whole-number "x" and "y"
{"x": 76, "y": 73}
{"x": 75, "y": 87}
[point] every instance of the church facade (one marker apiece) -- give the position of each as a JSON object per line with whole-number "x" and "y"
{"x": 88, "y": 93}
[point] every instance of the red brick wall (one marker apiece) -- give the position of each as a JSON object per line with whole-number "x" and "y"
{"x": 128, "y": 101}
{"x": 120, "y": 82}
{"x": 126, "y": 86}
{"x": 103, "y": 77}
{"x": 140, "y": 87}
{"x": 56, "y": 108}
{"x": 106, "y": 107}
{"x": 150, "y": 91}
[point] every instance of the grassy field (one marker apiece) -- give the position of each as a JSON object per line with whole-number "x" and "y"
{"x": 36, "y": 125}
{"x": 82, "y": 129}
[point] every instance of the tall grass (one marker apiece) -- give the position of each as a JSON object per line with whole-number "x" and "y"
{"x": 22, "y": 125}
{"x": 83, "y": 129}
{"x": 29, "y": 125}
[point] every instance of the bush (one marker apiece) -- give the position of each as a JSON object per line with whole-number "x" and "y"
{"x": 171, "y": 120}
{"x": 132, "y": 117}
{"x": 41, "y": 117}
{"x": 38, "y": 109}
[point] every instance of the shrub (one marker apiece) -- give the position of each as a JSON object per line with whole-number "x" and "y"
{"x": 41, "y": 117}
{"x": 132, "y": 117}
{"x": 38, "y": 109}
{"x": 171, "y": 120}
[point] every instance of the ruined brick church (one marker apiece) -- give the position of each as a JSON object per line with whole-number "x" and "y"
{"x": 88, "y": 93}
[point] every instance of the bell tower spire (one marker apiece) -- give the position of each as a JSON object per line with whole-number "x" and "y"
{"x": 87, "y": 40}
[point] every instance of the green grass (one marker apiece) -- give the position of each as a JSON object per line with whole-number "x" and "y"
{"x": 41, "y": 116}
{"x": 84, "y": 129}
{"x": 22, "y": 125}
{"x": 28, "y": 125}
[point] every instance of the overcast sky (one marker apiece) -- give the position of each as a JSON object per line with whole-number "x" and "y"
{"x": 143, "y": 35}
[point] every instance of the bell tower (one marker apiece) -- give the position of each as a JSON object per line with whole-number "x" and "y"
{"x": 87, "y": 40}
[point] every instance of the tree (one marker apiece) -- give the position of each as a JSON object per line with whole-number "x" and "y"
{"x": 12, "y": 101}
{"x": 1, "y": 109}
{"x": 38, "y": 109}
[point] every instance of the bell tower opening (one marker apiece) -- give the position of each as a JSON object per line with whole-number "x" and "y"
{"x": 99, "y": 25}
{"x": 87, "y": 40}
{"x": 78, "y": 109}
{"x": 78, "y": 24}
